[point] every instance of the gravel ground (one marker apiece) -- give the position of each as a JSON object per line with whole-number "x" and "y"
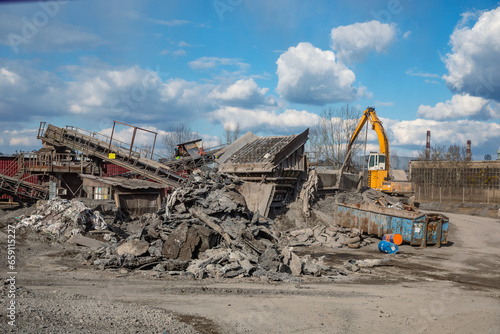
{"x": 61, "y": 312}
{"x": 452, "y": 289}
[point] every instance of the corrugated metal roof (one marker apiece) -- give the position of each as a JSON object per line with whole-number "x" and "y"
{"x": 125, "y": 183}
{"x": 261, "y": 150}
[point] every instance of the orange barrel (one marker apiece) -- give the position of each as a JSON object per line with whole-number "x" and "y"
{"x": 394, "y": 238}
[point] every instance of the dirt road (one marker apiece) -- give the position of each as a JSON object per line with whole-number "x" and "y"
{"x": 453, "y": 289}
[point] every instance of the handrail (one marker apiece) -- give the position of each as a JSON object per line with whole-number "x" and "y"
{"x": 117, "y": 144}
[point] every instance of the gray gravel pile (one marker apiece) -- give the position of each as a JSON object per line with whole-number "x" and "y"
{"x": 61, "y": 312}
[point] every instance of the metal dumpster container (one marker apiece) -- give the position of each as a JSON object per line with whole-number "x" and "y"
{"x": 417, "y": 229}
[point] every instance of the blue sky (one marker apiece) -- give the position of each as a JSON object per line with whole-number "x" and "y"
{"x": 269, "y": 66}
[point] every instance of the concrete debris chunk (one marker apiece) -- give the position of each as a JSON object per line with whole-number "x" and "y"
{"x": 334, "y": 237}
{"x": 85, "y": 241}
{"x": 356, "y": 265}
{"x": 58, "y": 215}
{"x": 133, "y": 247}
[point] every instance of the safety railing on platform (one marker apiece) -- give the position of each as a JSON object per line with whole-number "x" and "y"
{"x": 116, "y": 145}
{"x": 13, "y": 167}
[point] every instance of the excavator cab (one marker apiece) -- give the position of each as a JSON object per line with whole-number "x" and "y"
{"x": 376, "y": 161}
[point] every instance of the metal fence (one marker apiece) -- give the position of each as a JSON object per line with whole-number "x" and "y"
{"x": 448, "y": 194}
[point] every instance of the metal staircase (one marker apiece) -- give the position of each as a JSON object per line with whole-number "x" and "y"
{"x": 103, "y": 147}
{"x": 17, "y": 187}
{"x": 11, "y": 182}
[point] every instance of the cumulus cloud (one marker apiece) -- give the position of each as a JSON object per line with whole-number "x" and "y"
{"x": 414, "y": 132}
{"x": 460, "y": 106}
{"x": 310, "y": 75}
{"x": 355, "y": 41}
{"x": 141, "y": 139}
{"x": 25, "y": 137}
{"x": 98, "y": 91}
{"x": 8, "y": 78}
{"x": 258, "y": 120}
{"x": 244, "y": 92}
{"x": 18, "y": 79}
{"x": 473, "y": 65}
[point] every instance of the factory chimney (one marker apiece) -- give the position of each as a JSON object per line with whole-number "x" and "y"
{"x": 469, "y": 153}
{"x": 428, "y": 146}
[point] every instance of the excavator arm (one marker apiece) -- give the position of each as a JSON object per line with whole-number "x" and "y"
{"x": 370, "y": 115}
{"x": 379, "y": 163}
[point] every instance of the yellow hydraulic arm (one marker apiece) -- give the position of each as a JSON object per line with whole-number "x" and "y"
{"x": 379, "y": 163}
{"x": 370, "y": 115}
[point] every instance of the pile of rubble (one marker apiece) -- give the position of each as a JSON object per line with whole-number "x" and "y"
{"x": 320, "y": 235}
{"x": 63, "y": 218}
{"x": 204, "y": 230}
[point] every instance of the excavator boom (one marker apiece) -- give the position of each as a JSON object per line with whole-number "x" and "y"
{"x": 379, "y": 163}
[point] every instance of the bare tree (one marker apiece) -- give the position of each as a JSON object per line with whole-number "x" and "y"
{"x": 438, "y": 152}
{"x": 456, "y": 153}
{"x": 447, "y": 166}
{"x": 331, "y": 136}
{"x": 146, "y": 150}
{"x": 178, "y": 134}
{"x": 230, "y": 133}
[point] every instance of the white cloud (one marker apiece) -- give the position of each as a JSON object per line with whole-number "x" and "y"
{"x": 383, "y": 104}
{"x": 97, "y": 91}
{"x": 244, "y": 92}
{"x": 28, "y": 91}
{"x": 406, "y": 34}
{"x": 414, "y": 132}
{"x": 212, "y": 62}
{"x": 25, "y": 137}
{"x": 141, "y": 139}
{"x": 431, "y": 81}
{"x": 164, "y": 52}
{"x": 54, "y": 36}
{"x": 258, "y": 120}
{"x": 473, "y": 65}
{"x": 310, "y": 75}
{"x": 180, "y": 52}
{"x": 415, "y": 73}
{"x": 8, "y": 78}
{"x": 172, "y": 23}
{"x": 183, "y": 44}
{"x": 355, "y": 41}
{"x": 460, "y": 106}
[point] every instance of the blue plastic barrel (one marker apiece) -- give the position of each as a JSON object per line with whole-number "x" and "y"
{"x": 387, "y": 247}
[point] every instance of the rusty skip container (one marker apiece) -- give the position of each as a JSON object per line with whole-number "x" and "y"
{"x": 417, "y": 228}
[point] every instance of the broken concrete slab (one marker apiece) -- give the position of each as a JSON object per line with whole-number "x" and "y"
{"x": 187, "y": 242}
{"x": 292, "y": 260}
{"x": 258, "y": 196}
{"x": 85, "y": 241}
{"x": 133, "y": 247}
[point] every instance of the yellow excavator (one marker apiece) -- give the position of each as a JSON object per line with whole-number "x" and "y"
{"x": 379, "y": 176}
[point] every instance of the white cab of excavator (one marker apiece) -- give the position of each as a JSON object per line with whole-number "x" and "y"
{"x": 376, "y": 161}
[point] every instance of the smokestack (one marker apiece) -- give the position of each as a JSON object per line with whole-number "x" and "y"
{"x": 498, "y": 152}
{"x": 428, "y": 146}
{"x": 469, "y": 154}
